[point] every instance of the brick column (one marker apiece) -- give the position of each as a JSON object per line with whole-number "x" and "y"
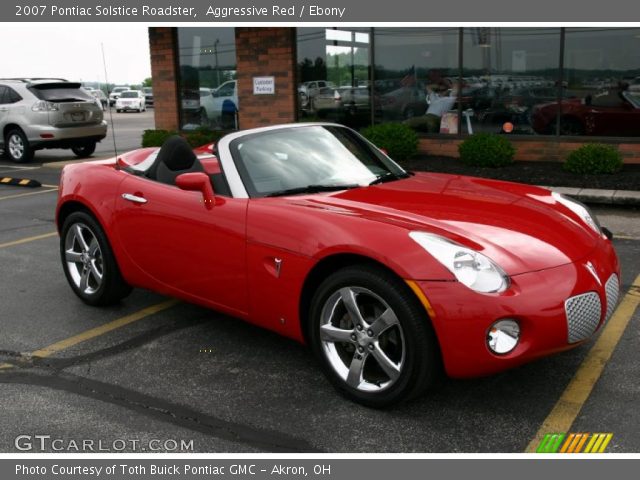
{"x": 163, "y": 48}
{"x": 262, "y": 52}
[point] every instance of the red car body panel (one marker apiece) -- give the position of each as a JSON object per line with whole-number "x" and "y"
{"x": 224, "y": 258}
{"x": 621, "y": 119}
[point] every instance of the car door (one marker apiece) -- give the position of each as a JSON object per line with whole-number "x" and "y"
{"x": 180, "y": 245}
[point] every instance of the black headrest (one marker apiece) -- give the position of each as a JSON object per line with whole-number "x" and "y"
{"x": 176, "y": 154}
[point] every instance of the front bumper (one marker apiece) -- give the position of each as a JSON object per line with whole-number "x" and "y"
{"x": 536, "y": 300}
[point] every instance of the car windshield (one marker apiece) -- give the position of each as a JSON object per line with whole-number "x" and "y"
{"x": 129, "y": 95}
{"x": 309, "y": 159}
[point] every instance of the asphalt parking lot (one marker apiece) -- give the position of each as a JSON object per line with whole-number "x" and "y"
{"x": 152, "y": 368}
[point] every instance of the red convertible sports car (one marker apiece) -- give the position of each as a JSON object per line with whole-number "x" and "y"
{"x": 311, "y": 231}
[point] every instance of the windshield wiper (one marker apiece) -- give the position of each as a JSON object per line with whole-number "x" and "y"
{"x": 387, "y": 177}
{"x": 311, "y": 189}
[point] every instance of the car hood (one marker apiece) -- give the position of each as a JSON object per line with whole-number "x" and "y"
{"x": 520, "y": 227}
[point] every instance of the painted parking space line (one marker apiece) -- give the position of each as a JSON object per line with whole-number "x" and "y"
{"x": 28, "y": 239}
{"x": 579, "y": 389}
{"x": 103, "y": 329}
{"x": 18, "y": 195}
{"x": 96, "y": 331}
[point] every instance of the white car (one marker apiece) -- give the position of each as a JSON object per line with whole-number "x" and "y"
{"x": 220, "y": 105}
{"x": 115, "y": 94}
{"x": 131, "y": 100}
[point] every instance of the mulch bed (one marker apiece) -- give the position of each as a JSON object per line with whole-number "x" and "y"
{"x": 535, "y": 173}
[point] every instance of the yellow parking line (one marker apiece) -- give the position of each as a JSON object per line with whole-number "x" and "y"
{"x": 577, "y": 392}
{"x": 27, "y": 240}
{"x": 4, "y": 366}
{"x": 30, "y": 193}
{"x": 102, "y": 329}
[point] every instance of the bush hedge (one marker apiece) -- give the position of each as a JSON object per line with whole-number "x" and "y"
{"x": 399, "y": 141}
{"x": 594, "y": 159}
{"x": 486, "y": 150}
{"x": 195, "y": 138}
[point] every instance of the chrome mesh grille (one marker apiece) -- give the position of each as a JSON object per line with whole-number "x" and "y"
{"x": 612, "y": 290}
{"x": 583, "y": 315}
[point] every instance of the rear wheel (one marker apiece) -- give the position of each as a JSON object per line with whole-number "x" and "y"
{"x": 89, "y": 263}
{"x": 17, "y": 146}
{"x": 84, "y": 150}
{"x": 372, "y": 337}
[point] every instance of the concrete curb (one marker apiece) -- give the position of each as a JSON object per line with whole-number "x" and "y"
{"x": 629, "y": 198}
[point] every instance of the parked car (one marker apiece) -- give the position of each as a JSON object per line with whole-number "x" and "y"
{"x": 48, "y": 113}
{"x": 131, "y": 100}
{"x": 219, "y": 106}
{"x": 611, "y": 113}
{"x": 148, "y": 96}
{"x": 100, "y": 97}
{"x": 311, "y": 231}
{"x": 308, "y": 90}
{"x": 115, "y": 94}
{"x": 404, "y": 102}
{"x": 343, "y": 101}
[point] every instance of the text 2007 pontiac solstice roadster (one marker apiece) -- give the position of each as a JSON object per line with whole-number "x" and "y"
{"x": 311, "y": 231}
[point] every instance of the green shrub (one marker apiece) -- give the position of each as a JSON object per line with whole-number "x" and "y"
{"x": 399, "y": 141}
{"x": 195, "y": 138}
{"x": 594, "y": 158}
{"x": 486, "y": 150}
{"x": 202, "y": 136}
{"x": 155, "y": 138}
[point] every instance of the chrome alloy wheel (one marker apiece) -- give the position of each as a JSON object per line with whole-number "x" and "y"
{"x": 84, "y": 258}
{"x": 16, "y": 146}
{"x": 362, "y": 339}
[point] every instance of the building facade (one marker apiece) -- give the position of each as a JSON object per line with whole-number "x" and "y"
{"x": 549, "y": 89}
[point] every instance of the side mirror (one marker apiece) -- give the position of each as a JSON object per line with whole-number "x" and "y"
{"x": 197, "y": 182}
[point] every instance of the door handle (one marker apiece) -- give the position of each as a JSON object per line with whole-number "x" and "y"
{"x": 134, "y": 198}
{"x": 4, "y": 109}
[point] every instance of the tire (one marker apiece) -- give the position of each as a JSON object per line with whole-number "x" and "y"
{"x": 84, "y": 150}
{"x": 349, "y": 355}
{"x": 88, "y": 262}
{"x": 204, "y": 118}
{"x": 16, "y": 146}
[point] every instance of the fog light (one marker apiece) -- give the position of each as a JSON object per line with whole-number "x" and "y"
{"x": 503, "y": 336}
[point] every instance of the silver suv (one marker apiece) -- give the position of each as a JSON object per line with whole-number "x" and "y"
{"x": 47, "y": 113}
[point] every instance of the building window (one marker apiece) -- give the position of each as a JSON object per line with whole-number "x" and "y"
{"x": 509, "y": 74}
{"x": 416, "y": 71}
{"x": 602, "y": 78}
{"x": 207, "y": 78}
{"x": 334, "y": 75}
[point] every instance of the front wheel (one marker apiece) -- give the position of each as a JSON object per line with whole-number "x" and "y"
{"x": 372, "y": 337}
{"x": 89, "y": 263}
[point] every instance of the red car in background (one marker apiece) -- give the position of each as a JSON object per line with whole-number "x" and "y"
{"x": 311, "y": 231}
{"x": 609, "y": 114}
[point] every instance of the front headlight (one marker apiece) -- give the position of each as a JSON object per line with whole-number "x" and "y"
{"x": 471, "y": 268}
{"x": 579, "y": 209}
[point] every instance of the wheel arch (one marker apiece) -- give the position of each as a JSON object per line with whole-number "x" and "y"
{"x": 331, "y": 263}
{"x": 10, "y": 126}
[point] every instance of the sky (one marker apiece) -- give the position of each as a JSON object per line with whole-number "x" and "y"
{"x": 73, "y": 52}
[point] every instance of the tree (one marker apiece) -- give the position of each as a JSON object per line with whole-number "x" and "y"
{"x": 147, "y": 82}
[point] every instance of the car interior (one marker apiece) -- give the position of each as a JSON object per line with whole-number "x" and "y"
{"x": 174, "y": 158}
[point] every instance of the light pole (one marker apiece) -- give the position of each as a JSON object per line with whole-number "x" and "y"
{"x": 215, "y": 52}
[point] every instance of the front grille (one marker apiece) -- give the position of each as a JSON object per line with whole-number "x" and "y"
{"x": 612, "y": 290}
{"x": 583, "y": 315}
